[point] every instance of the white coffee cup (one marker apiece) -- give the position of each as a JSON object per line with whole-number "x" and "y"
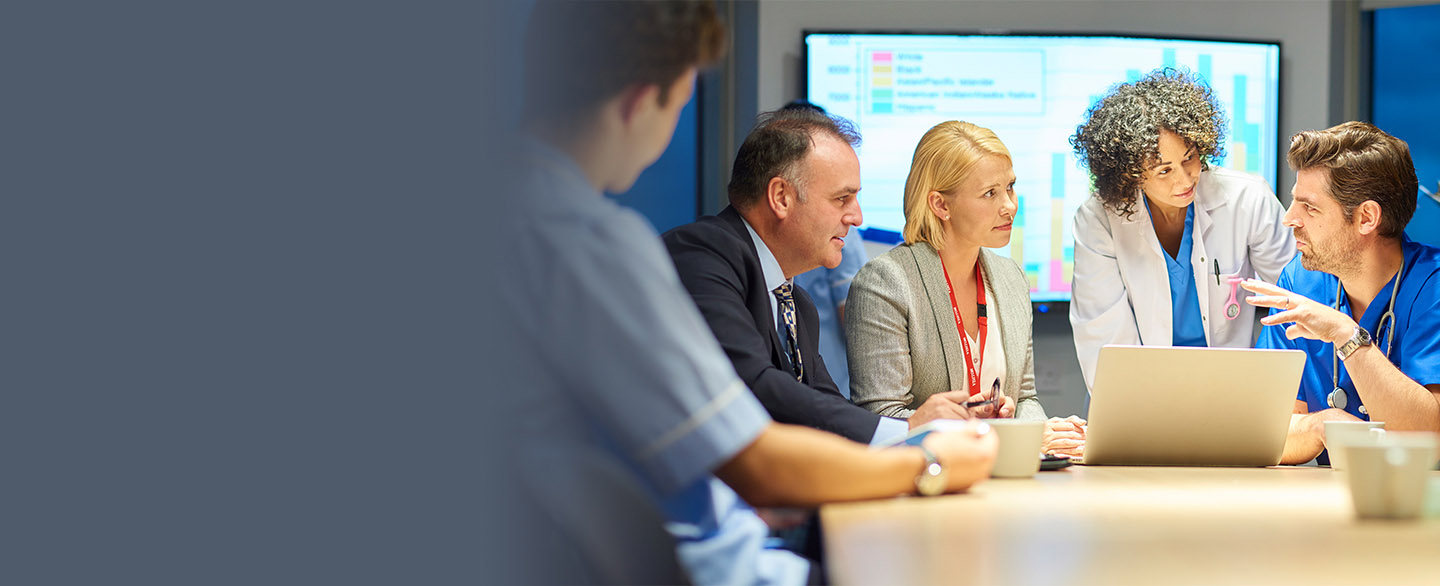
{"x": 1020, "y": 440}
{"x": 1388, "y": 477}
{"x": 1339, "y": 434}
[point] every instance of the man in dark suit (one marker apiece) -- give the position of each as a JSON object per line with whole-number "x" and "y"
{"x": 793, "y": 194}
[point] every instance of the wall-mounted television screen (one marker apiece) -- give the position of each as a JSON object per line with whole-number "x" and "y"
{"x": 1032, "y": 90}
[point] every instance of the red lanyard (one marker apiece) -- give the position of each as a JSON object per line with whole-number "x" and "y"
{"x": 971, "y": 367}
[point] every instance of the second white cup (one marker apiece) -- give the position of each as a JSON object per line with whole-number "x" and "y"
{"x": 1020, "y": 440}
{"x": 1339, "y": 434}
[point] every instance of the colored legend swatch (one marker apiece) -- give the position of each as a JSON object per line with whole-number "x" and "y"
{"x": 882, "y": 93}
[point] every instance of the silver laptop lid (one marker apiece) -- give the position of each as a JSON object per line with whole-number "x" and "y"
{"x": 1177, "y": 406}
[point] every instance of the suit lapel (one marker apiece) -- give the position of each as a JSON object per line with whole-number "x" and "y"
{"x": 758, "y": 299}
{"x": 932, "y": 277}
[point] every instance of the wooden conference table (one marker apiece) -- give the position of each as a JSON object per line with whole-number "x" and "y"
{"x": 1132, "y": 525}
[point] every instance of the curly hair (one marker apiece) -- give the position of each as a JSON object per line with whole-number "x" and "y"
{"x": 1121, "y": 133}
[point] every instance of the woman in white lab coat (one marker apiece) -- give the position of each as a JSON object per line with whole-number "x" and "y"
{"x": 1158, "y": 243}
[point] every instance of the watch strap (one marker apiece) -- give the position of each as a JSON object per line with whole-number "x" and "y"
{"x": 1358, "y": 339}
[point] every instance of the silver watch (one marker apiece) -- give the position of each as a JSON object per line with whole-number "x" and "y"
{"x": 931, "y": 481}
{"x": 1358, "y": 339}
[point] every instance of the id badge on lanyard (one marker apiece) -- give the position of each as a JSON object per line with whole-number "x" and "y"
{"x": 972, "y": 367}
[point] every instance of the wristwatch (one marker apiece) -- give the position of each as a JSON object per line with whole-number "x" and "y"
{"x": 1358, "y": 339}
{"x": 931, "y": 481}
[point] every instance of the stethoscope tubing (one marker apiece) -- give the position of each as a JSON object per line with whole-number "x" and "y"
{"x": 1337, "y": 394}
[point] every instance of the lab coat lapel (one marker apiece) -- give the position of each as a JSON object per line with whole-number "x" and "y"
{"x": 1202, "y": 265}
{"x": 1138, "y": 252}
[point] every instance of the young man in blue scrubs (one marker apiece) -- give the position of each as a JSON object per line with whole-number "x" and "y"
{"x": 625, "y": 418}
{"x": 1362, "y": 298}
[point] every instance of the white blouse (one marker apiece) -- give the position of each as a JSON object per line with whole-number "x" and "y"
{"x": 993, "y": 369}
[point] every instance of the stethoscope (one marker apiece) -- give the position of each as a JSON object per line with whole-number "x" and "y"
{"x": 1337, "y": 397}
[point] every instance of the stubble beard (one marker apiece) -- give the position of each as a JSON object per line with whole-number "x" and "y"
{"x": 1338, "y": 259}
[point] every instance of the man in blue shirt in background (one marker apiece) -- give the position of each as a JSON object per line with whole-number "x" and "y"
{"x": 828, "y": 288}
{"x": 1362, "y": 298}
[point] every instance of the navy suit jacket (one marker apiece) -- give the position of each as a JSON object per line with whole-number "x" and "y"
{"x": 719, "y": 265}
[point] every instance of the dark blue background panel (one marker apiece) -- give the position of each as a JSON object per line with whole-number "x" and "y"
{"x": 668, "y": 192}
{"x": 1406, "y": 88}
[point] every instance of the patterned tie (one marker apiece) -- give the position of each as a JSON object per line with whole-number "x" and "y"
{"x": 787, "y": 310}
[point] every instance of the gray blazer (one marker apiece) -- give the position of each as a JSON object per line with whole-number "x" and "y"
{"x": 903, "y": 346}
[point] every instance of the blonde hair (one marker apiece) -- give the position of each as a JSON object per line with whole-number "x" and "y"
{"x": 945, "y": 155}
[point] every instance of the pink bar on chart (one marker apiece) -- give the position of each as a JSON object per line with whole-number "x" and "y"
{"x": 1057, "y": 276}
{"x": 879, "y": 56}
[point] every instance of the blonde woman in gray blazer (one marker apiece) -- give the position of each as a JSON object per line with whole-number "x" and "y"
{"x": 904, "y": 325}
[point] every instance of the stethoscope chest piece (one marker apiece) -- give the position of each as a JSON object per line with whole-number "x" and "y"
{"x": 1337, "y": 398}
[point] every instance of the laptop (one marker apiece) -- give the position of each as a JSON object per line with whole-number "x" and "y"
{"x": 1177, "y": 406}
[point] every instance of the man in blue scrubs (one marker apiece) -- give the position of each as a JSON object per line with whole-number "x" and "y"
{"x": 1362, "y": 298}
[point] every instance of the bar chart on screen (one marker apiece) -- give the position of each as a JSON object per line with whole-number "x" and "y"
{"x": 1032, "y": 91}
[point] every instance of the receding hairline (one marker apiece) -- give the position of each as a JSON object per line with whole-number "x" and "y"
{"x": 819, "y": 133}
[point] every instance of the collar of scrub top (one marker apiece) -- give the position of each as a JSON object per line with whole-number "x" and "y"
{"x": 1337, "y": 397}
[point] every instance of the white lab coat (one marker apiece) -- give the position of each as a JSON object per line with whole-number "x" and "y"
{"x": 1121, "y": 289}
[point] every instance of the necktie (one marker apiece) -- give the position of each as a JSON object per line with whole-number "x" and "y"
{"x": 785, "y": 294}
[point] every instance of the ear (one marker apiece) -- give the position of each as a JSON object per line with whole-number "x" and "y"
{"x": 635, "y": 98}
{"x": 1367, "y": 217}
{"x": 938, "y": 205}
{"x": 781, "y": 196}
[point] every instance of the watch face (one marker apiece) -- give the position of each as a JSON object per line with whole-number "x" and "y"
{"x": 1360, "y": 338}
{"x": 931, "y": 481}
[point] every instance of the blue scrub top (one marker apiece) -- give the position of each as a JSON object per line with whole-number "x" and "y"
{"x": 1187, "y": 329}
{"x": 1416, "y": 349}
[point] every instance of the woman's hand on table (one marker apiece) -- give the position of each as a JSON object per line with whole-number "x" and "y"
{"x": 1064, "y": 437}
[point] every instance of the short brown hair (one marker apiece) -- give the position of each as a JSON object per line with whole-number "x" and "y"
{"x": 1364, "y": 164}
{"x": 775, "y": 147}
{"x": 943, "y": 159}
{"x": 579, "y": 54}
